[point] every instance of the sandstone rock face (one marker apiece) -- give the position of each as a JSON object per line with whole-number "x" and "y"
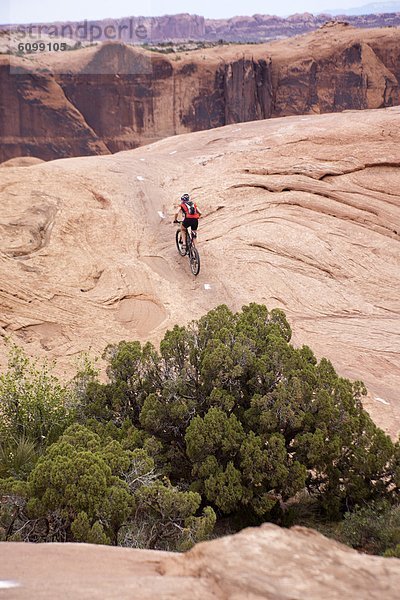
{"x": 265, "y": 563}
{"x": 300, "y": 213}
{"x": 115, "y": 97}
{"x": 37, "y": 119}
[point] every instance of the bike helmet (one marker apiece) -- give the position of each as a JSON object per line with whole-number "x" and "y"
{"x": 185, "y": 198}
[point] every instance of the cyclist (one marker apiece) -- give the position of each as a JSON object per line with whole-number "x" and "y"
{"x": 191, "y": 215}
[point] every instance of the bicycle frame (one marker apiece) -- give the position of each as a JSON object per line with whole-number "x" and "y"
{"x": 190, "y": 237}
{"x": 191, "y": 250}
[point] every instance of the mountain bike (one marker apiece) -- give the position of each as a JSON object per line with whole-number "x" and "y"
{"x": 191, "y": 250}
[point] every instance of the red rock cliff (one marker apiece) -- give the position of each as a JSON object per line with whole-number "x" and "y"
{"x": 76, "y": 113}
{"x": 37, "y": 119}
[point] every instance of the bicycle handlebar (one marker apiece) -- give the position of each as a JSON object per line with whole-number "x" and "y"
{"x": 176, "y": 222}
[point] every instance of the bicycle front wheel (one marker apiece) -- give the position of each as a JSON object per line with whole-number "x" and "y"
{"x": 194, "y": 261}
{"x": 181, "y": 251}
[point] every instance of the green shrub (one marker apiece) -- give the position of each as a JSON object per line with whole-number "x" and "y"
{"x": 228, "y": 418}
{"x": 374, "y": 528}
{"x": 88, "y": 488}
{"x": 34, "y": 405}
{"x": 245, "y": 419}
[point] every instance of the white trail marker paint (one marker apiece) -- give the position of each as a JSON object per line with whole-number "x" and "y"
{"x": 140, "y": 178}
{"x": 207, "y": 286}
{"x": 382, "y": 400}
{"x": 6, "y": 585}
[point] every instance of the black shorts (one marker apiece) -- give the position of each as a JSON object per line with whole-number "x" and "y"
{"x": 192, "y": 223}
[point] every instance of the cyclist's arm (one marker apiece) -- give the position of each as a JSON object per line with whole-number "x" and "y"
{"x": 177, "y": 214}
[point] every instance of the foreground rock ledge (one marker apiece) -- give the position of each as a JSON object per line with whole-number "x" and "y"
{"x": 266, "y": 562}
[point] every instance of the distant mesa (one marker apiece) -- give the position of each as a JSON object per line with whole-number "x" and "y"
{"x": 184, "y": 27}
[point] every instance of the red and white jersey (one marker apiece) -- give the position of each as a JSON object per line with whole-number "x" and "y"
{"x": 185, "y": 208}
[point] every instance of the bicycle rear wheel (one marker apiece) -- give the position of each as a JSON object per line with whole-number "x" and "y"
{"x": 181, "y": 251}
{"x": 194, "y": 258}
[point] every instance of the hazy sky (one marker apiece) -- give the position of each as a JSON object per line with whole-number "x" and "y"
{"x": 29, "y": 11}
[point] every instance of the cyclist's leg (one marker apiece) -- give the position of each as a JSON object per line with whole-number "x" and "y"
{"x": 184, "y": 234}
{"x": 194, "y": 226}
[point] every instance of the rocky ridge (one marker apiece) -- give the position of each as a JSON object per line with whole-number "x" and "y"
{"x": 185, "y": 26}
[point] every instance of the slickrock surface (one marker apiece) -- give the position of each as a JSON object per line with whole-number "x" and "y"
{"x": 301, "y": 213}
{"x": 114, "y": 97}
{"x": 264, "y": 563}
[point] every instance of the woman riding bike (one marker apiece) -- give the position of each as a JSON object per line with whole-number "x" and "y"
{"x": 191, "y": 215}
